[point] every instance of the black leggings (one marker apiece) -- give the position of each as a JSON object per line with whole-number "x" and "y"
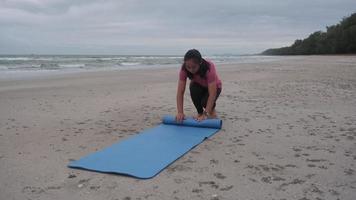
{"x": 200, "y": 96}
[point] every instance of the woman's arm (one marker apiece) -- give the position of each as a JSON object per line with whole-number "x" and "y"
{"x": 180, "y": 95}
{"x": 212, "y": 95}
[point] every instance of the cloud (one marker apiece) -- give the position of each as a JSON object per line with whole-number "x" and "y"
{"x": 103, "y": 26}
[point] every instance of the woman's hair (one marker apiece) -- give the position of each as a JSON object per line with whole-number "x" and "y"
{"x": 196, "y": 56}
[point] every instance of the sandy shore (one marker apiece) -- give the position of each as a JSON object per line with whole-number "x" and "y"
{"x": 289, "y": 132}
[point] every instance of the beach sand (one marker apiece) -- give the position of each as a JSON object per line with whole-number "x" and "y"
{"x": 289, "y": 132}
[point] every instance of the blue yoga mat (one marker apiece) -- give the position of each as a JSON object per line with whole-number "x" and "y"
{"x": 146, "y": 154}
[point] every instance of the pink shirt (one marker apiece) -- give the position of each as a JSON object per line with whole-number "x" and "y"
{"x": 211, "y": 76}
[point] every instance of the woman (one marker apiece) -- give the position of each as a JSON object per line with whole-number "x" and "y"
{"x": 205, "y": 86}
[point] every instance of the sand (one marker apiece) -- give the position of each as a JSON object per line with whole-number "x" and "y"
{"x": 289, "y": 132}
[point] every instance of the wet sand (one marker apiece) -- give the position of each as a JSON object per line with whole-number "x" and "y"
{"x": 289, "y": 132}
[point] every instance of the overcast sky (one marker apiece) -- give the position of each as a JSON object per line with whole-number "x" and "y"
{"x": 161, "y": 26}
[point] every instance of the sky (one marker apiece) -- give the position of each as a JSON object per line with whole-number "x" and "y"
{"x": 161, "y": 27}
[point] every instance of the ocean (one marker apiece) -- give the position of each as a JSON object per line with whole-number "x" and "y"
{"x": 18, "y": 66}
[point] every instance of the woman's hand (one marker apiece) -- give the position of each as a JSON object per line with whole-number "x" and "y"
{"x": 180, "y": 117}
{"x": 200, "y": 117}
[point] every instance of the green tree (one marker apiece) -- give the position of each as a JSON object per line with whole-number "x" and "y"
{"x": 339, "y": 38}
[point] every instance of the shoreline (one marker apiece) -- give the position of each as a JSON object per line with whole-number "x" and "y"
{"x": 33, "y": 72}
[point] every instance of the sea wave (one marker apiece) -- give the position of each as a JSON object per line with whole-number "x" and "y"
{"x": 3, "y": 67}
{"x": 77, "y": 65}
{"x": 122, "y": 62}
{"x": 129, "y": 63}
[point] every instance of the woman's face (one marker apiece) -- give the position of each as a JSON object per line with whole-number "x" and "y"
{"x": 192, "y": 66}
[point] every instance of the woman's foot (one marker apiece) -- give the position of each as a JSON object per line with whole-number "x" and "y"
{"x": 213, "y": 114}
{"x": 200, "y": 117}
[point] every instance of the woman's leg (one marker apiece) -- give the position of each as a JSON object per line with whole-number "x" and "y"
{"x": 197, "y": 93}
{"x": 206, "y": 96}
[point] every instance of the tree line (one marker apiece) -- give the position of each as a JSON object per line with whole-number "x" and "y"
{"x": 338, "y": 39}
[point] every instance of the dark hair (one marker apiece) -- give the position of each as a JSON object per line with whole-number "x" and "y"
{"x": 196, "y": 56}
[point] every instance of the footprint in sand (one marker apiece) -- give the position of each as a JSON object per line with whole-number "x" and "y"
{"x": 197, "y": 190}
{"x": 94, "y": 187}
{"x": 82, "y": 183}
{"x": 175, "y": 168}
{"x": 293, "y": 182}
{"x": 210, "y": 183}
{"x": 214, "y": 161}
{"x": 54, "y": 187}
{"x": 72, "y": 176}
{"x": 349, "y": 172}
{"x": 227, "y": 188}
{"x": 31, "y": 190}
{"x": 219, "y": 175}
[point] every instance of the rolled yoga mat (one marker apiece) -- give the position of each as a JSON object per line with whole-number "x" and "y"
{"x": 147, "y": 153}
